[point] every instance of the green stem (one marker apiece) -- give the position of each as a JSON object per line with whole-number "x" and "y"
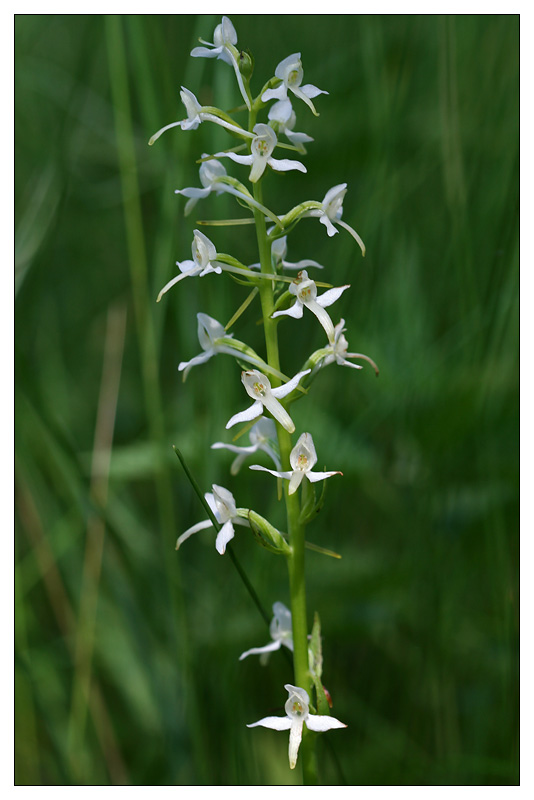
{"x": 297, "y": 583}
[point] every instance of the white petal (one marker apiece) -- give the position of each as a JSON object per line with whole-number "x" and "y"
{"x": 207, "y": 523}
{"x": 295, "y": 737}
{"x": 224, "y": 536}
{"x": 319, "y": 722}
{"x": 280, "y": 93}
{"x": 311, "y": 91}
{"x": 275, "y": 723}
{"x": 278, "y": 411}
{"x": 329, "y": 297}
{"x": 330, "y": 229}
{"x": 287, "y": 388}
{"x": 185, "y": 274}
{"x": 204, "y": 52}
{"x": 353, "y": 234}
{"x": 200, "y": 359}
{"x": 235, "y": 157}
{"x": 313, "y": 477}
{"x": 269, "y": 648}
{"x": 295, "y": 311}
{"x": 193, "y": 192}
{"x": 272, "y": 471}
{"x": 296, "y": 480}
{"x": 285, "y": 164}
{"x": 248, "y": 414}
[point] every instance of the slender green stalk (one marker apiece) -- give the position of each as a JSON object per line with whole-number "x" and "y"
{"x": 297, "y": 583}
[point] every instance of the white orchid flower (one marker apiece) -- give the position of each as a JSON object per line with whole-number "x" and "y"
{"x": 281, "y": 634}
{"x": 195, "y": 115}
{"x": 224, "y": 48}
{"x": 204, "y": 252}
{"x": 214, "y": 178}
{"x": 258, "y": 387}
{"x": 262, "y": 436}
{"x": 214, "y": 339}
{"x": 305, "y": 290}
{"x": 336, "y": 351}
{"x": 283, "y": 115}
{"x": 330, "y": 213}
{"x": 297, "y": 709}
{"x": 302, "y": 458}
{"x": 222, "y": 503}
{"x": 278, "y": 257}
{"x": 262, "y": 146}
{"x": 290, "y": 73}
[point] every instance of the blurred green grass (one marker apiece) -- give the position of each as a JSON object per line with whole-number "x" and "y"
{"x": 420, "y": 617}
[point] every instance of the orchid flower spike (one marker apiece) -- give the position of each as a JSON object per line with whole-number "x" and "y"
{"x": 195, "y": 115}
{"x": 330, "y": 213}
{"x": 262, "y": 146}
{"x": 204, "y": 253}
{"x": 290, "y": 72}
{"x": 258, "y": 387}
{"x": 305, "y": 290}
{"x": 284, "y": 119}
{"x": 222, "y": 503}
{"x": 214, "y": 339}
{"x": 262, "y": 436}
{"x": 224, "y": 48}
{"x": 281, "y": 634}
{"x": 336, "y": 351}
{"x": 297, "y": 710}
{"x": 302, "y": 458}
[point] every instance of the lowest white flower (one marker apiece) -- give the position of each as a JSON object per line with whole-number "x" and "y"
{"x": 259, "y": 388}
{"x": 285, "y": 118}
{"x": 302, "y": 458}
{"x": 280, "y": 630}
{"x": 262, "y": 436}
{"x": 214, "y": 339}
{"x": 223, "y": 47}
{"x": 305, "y": 290}
{"x": 222, "y": 503}
{"x": 336, "y": 351}
{"x": 297, "y": 710}
{"x": 195, "y": 115}
{"x": 204, "y": 252}
{"x": 262, "y": 146}
{"x": 290, "y": 72}
{"x": 330, "y": 212}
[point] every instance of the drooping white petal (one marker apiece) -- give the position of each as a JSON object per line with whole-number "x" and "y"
{"x": 276, "y": 473}
{"x": 280, "y": 93}
{"x": 296, "y": 311}
{"x": 207, "y": 523}
{"x": 224, "y": 536}
{"x": 313, "y": 477}
{"x": 320, "y": 722}
{"x": 296, "y": 480}
{"x": 186, "y": 366}
{"x": 247, "y": 415}
{"x": 311, "y": 91}
{"x": 268, "y": 648}
{"x": 330, "y": 229}
{"x": 295, "y": 738}
{"x": 204, "y": 52}
{"x": 247, "y": 160}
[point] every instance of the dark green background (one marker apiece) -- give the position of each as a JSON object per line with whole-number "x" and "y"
{"x": 420, "y": 616}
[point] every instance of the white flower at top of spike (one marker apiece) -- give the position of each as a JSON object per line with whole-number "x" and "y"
{"x": 291, "y": 74}
{"x": 305, "y": 290}
{"x": 302, "y": 458}
{"x": 331, "y": 211}
{"x": 224, "y": 48}
{"x": 195, "y": 115}
{"x": 281, "y": 634}
{"x": 259, "y": 388}
{"x": 285, "y": 118}
{"x": 262, "y": 436}
{"x": 336, "y": 351}
{"x": 262, "y": 146}
{"x": 213, "y": 339}
{"x": 297, "y": 710}
{"x": 204, "y": 252}
{"x": 222, "y": 503}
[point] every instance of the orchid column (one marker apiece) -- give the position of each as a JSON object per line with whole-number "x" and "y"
{"x": 281, "y": 296}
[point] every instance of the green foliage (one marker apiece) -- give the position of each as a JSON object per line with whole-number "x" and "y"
{"x": 420, "y": 615}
